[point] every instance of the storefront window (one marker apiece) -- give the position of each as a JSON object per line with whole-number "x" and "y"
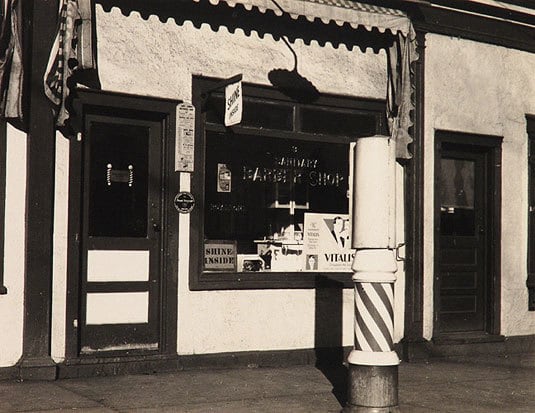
{"x": 276, "y": 187}
{"x": 260, "y": 192}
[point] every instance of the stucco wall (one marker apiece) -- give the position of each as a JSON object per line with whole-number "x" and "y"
{"x": 148, "y": 57}
{"x": 11, "y": 310}
{"x": 59, "y": 275}
{"x": 479, "y": 88}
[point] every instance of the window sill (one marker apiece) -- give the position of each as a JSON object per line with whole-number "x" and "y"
{"x": 264, "y": 280}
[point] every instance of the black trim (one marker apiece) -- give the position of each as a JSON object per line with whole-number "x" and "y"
{"x": 3, "y": 159}
{"x": 199, "y": 280}
{"x": 414, "y": 210}
{"x": 478, "y": 28}
{"x": 487, "y": 10}
{"x": 164, "y": 111}
{"x": 530, "y": 281}
{"x": 40, "y": 179}
{"x": 493, "y": 145}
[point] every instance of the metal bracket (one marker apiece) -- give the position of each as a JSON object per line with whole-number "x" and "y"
{"x": 399, "y": 257}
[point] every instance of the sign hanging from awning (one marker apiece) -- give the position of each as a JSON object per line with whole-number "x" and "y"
{"x": 233, "y": 103}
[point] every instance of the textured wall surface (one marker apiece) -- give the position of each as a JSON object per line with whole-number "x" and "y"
{"x": 11, "y": 310}
{"x": 484, "y": 89}
{"x": 148, "y": 57}
{"x": 59, "y": 276}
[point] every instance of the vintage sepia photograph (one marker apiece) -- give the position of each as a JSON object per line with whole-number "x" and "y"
{"x": 267, "y": 206}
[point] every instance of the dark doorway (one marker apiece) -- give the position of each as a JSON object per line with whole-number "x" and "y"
{"x": 121, "y": 235}
{"x": 467, "y": 200}
{"x": 123, "y": 242}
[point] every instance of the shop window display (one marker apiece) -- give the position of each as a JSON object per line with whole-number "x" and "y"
{"x": 269, "y": 195}
{"x": 276, "y": 187}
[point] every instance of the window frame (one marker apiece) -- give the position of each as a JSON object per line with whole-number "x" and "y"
{"x": 200, "y": 280}
{"x": 3, "y": 162}
{"x": 530, "y": 281}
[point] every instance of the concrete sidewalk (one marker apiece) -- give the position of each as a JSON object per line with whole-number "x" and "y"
{"x": 424, "y": 387}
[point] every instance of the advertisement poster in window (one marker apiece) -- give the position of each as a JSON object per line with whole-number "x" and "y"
{"x": 327, "y": 243}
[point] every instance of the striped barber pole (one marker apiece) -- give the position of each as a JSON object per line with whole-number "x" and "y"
{"x": 374, "y": 315}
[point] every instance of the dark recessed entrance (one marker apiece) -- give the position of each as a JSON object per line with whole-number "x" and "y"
{"x": 467, "y": 200}
{"x": 123, "y": 228}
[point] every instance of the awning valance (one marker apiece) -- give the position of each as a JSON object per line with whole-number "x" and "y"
{"x": 339, "y": 11}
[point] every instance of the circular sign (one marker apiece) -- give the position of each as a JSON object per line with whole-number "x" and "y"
{"x": 184, "y": 202}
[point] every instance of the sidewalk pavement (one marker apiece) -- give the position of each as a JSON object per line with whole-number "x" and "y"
{"x": 424, "y": 387}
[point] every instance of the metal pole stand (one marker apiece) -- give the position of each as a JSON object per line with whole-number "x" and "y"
{"x": 373, "y": 363}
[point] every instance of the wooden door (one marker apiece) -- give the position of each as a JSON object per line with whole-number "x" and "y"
{"x": 464, "y": 273}
{"x": 121, "y": 235}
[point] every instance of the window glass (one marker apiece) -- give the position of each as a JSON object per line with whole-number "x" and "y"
{"x": 457, "y": 215}
{"x": 118, "y": 180}
{"x": 341, "y": 123}
{"x": 274, "y": 204}
{"x": 256, "y": 113}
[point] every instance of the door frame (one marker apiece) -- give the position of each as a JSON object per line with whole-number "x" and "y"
{"x": 491, "y": 146}
{"x": 156, "y": 109}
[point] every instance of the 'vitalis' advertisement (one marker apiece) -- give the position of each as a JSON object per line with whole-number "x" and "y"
{"x": 327, "y": 243}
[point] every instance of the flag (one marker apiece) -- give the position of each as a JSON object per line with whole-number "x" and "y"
{"x": 401, "y": 57}
{"x": 11, "y": 69}
{"x": 72, "y": 51}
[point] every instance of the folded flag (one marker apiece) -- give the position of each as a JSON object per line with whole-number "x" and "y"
{"x": 72, "y": 50}
{"x": 11, "y": 68}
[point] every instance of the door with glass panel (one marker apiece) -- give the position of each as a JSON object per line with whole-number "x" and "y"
{"x": 121, "y": 237}
{"x": 464, "y": 275}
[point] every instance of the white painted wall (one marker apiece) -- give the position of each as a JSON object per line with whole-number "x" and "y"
{"x": 485, "y": 89}
{"x": 11, "y": 305}
{"x": 59, "y": 269}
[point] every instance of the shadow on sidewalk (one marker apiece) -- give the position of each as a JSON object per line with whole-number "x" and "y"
{"x": 328, "y": 344}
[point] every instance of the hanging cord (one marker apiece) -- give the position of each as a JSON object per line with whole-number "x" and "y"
{"x": 286, "y": 42}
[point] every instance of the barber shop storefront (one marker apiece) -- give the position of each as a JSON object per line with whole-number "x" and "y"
{"x": 195, "y": 163}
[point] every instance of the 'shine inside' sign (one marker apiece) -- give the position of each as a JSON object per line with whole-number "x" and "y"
{"x": 220, "y": 255}
{"x": 233, "y": 103}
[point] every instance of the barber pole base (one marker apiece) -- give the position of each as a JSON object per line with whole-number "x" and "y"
{"x": 372, "y": 389}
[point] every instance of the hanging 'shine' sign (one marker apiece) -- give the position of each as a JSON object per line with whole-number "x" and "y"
{"x": 233, "y": 103}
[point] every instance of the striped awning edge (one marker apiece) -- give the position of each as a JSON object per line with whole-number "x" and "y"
{"x": 338, "y": 11}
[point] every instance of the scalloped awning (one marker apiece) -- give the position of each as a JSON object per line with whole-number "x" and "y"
{"x": 339, "y": 11}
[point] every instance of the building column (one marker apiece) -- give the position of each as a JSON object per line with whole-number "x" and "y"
{"x": 373, "y": 363}
{"x": 39, "y": 27}
{"x": 414, "y": 345}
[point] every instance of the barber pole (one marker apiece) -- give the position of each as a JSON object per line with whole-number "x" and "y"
{"x": 373, "y": 363}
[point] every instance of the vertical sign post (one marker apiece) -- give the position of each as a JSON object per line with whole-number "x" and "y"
{"x": 373, "y": 363}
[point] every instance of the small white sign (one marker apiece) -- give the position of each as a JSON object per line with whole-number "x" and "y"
{"x": 185, "y": 137}
{"x": 233, "y": 103}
